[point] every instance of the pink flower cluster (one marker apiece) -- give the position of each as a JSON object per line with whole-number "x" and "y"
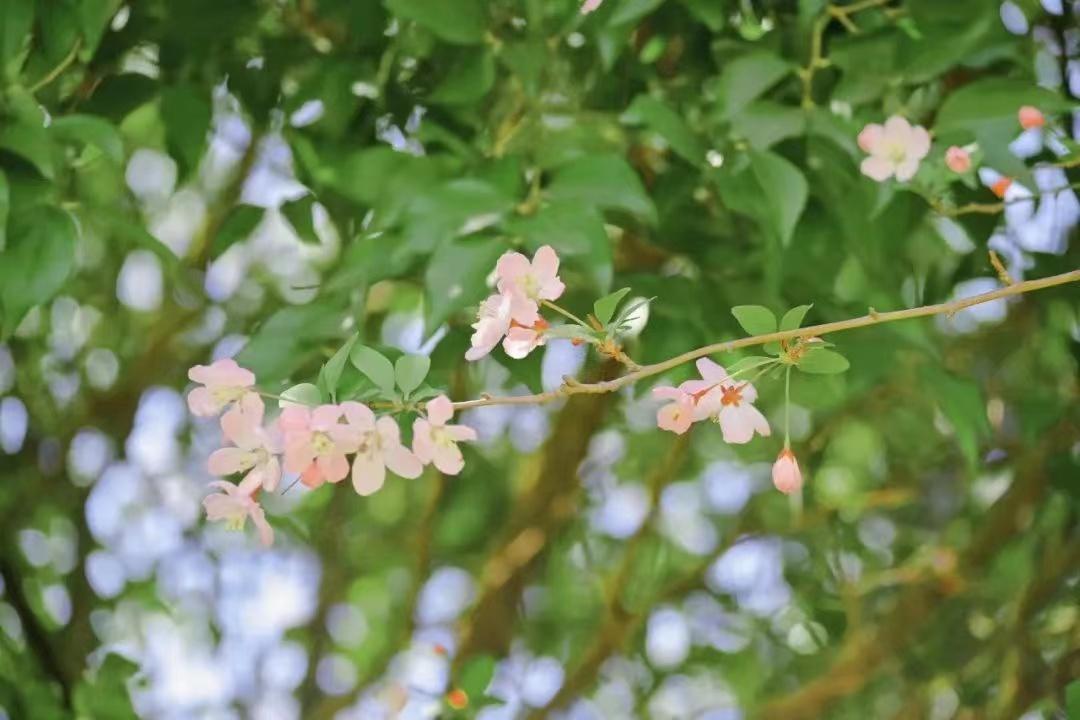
{"x": 312, "y": 442}
{"x": 512, "y": 315}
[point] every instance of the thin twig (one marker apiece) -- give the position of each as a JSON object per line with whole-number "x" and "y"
{"x": 60, "y": 68}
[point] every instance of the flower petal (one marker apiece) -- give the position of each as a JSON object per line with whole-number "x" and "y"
{"x": 423, "y": 447}
{"x": 368, "y": 473}
{"x": 226, "y": 461}
{"x": 447, "y": 458}
{"x": 870, "y": 137}
{"x": 202, "y": 404}
{"x": 334, "y": 467}
{"x": 711, "y": 371}
{"x": 876, "y": 168}
{"x": 358, "y": 415}
{"x": 439, "y": 410}
{"x": 460, "y": 433}
{"x": 402, "y": 462}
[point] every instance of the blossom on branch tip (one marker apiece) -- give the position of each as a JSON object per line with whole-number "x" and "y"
{"x": 222, "y": 383}
{"x": 895, "y": 149}
{"x": 958, "y": 159}
{"x": 1031, "y": 117}
{"x": 234, "y": 506}
{"x": 492, "y": 324}
{"x": 379, "y": 448}
{"x": 316, "y": 443}
{"x": 529, "y": 283}
{"x": 786, "y": 475}
{"x": 435, "y": 442}
{"x": 255, "y": 448}
{"x": 731, "y": 402}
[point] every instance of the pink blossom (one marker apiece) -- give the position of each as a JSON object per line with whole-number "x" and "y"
{"x": 958, "y": 159}
{"x": 522, "y": 340}
{"x": 529, "y": 283}
{"x": 234, "y": 506}
{"x": 316, "y": 443}
{"x": 589, "y": 6}
{"x": 254, "y": 450}
{"x": 730, "y": 402}
{"x": 380, "y": 448}
{"x": 223, "y": 382}
{"x": 1031, "y": 117}
{"x": 677, "y": 415}
{"x": 436, "y": 442}
{"x": 786, "y": 475}
{"x": 895, "y": 149}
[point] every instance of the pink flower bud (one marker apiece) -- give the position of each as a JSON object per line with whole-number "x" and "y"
{"x": 958, "y": 159}
{"x": 1031, "y": 117}
{"x": 786, "y": 475}
{"x": 589, "y": 6}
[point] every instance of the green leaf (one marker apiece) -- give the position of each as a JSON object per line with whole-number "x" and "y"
{"x": 90, "y": 130}
{"x": 187, "y": 114}
{"x": 793, "y": 318}
{"x": 375, "y": 366}
{"x": 476, "y": 675}
{"x": 755, "y": 319}
{"x": 304, "y": 394}
{"x": 1072, "y": 699}
{"x": 5, "y": 208}
{"x": 463, "y": 22}
{"x": 30, "y": 142}
{"x": 604, "y": 308}
{"x": 745, "y": 79}
{"x": 785, "y": 191}
{"x": 94, "y": 17}
{"x": 994, "y": 100}
{"x": 330, "y": 374}
{"x": 468, "y": 80}
{"x": 629, "y": 11}
{"x": 667, "y": 123}
{"x": 410, "y": 371}
{"x": 238, "y": 226}
{"x": 16, "y": 19}
{"x": 962, "y": 402}
{"x": 454, "y": 278}
{"x": 577, "y": 233}
{"x": 606, "y": 181}
{"x": 820, "y": 361}
{"x": 35, "y": 264}
{"x": 456, "y": 208}
{"x": 299, "y": 214}
{"x": 104, "y": 694}
{"x": 289, "y": 338}
{"x": 765, "y": 123}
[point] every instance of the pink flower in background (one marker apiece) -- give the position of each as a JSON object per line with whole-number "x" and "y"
{"x": 1031, "y": 117}
{"x": 895, "y": 149}
{"x": 380, "y": 448}
{"x": 786, "y": 475}
{"x": 521, "y": 340}
{"x": 589, "y": 6}
{"x": 223, "y": 382}
{"x": 316, "y": 443}
{"x": 730, "y": 402}
{"x": 529, "y": 283}
{"x": 436, "y": 442}
{"x": 677, "y": 415}
{"x": 958, "y": 159}
{"x": 255, "y": 448}
{"x": 234, "y": 506}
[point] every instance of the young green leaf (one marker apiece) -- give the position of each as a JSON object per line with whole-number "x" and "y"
{"x": 374, "y": 364}
{"x": 793, "y": 318}
{"x": 331, "y": 371}
{"x": 410, "y": 371}
{"x": 304, "y": 394}
{"x": 755, "y": 319}
{"x": 604, "y": 308}
{"x": 820, "y": 361}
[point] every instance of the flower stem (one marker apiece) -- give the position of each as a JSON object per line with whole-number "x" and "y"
{"x": 565, "y": 313}
{"x": 787, "y": 408}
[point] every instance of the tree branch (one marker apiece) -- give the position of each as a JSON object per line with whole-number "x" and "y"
{"x": 572, "y": 387}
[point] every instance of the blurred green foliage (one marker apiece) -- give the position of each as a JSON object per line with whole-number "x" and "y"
{"x": 701, "y": 152}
